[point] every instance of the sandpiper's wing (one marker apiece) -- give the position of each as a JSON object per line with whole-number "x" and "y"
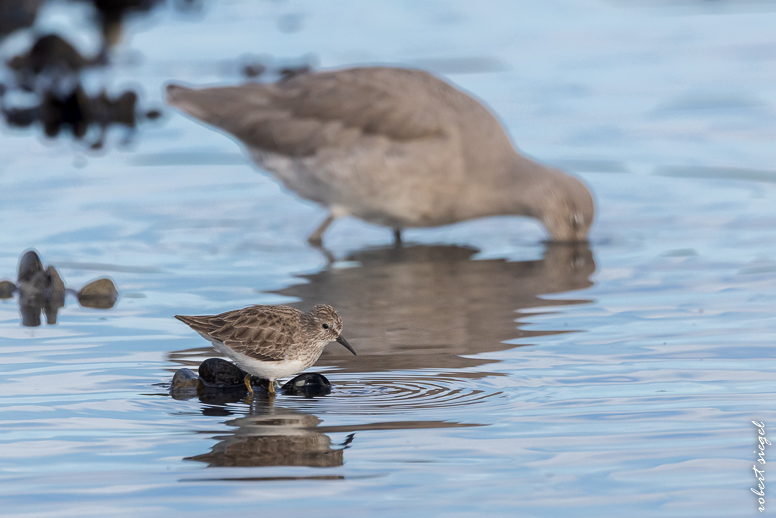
{"x": 313, "y": 111}
{"x": 260, "y": 332}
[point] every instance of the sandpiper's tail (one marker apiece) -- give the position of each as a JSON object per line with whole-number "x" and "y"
{"x": 197, "y": 323}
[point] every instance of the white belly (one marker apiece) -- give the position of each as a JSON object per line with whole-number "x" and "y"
{"x": 265, "y": 370}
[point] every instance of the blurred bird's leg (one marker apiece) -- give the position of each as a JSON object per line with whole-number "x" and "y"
{"x": 316, "y": 238}
{"x": 397, "y": 237}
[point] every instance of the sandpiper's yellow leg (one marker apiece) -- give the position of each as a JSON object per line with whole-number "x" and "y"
{"x": 247, "y": 381}
{"x": 272, "y": 387}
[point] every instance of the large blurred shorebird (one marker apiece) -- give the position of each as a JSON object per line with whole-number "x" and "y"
{"x": 392, "y": 146}
{"x": 270, "y": 342}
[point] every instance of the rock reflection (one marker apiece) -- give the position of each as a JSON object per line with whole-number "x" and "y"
{"x": 274, "y": 436}
{"x": 425, "y": 306}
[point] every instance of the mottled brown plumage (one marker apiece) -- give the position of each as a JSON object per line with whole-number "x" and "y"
{"x": 271, "y": 341}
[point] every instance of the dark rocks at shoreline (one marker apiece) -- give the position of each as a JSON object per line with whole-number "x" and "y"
{"x": 220, "y": 380}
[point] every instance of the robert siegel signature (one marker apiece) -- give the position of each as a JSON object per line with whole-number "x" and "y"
{"x": 760, "y": 474}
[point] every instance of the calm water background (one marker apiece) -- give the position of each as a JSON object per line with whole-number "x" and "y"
{"x": 495, "y": 374}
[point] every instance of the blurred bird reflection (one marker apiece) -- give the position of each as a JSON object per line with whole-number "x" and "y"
{"x": 274, "y": 436}
{"x": 424, "y": 306}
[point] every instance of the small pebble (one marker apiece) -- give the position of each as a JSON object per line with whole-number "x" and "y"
{"x": 309, "y": 384}
{"x": 100, "y": 294}
{"x": 6, "y": 289}
{"x": 184, "y": 379}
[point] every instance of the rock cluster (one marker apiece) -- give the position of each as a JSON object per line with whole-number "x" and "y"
{"x": 221, "y": 380}
{"x": 43, "y": 290}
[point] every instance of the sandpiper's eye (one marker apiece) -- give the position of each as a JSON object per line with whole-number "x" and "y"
{"x": 326, "y": 326}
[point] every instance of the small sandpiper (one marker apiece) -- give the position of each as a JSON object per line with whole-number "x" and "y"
{"x": 270, "y": 342}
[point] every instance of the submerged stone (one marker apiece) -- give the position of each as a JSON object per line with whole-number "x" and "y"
{"x": 184, "y": 379}
{"x": 218, "y": 373}
{"x": 309, "y": 384}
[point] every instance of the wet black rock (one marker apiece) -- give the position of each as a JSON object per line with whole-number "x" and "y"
{"x": 99, "y": 294}
{"x": 6, "y": 289}
{"x": 184, "y": 379}
{"x": 309, "y": 384}
{"x": 215, "y": 372}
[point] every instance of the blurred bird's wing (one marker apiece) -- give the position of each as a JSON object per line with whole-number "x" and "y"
{"x": 312, "y": 111}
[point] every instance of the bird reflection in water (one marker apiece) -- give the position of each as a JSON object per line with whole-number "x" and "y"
{"x": 274, "y": 436}
{"x": 426, "y": 306}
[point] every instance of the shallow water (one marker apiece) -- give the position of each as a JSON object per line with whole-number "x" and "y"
{"x": 496, "y": 375}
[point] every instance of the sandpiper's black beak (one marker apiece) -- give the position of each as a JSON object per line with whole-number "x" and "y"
{"x": 344, "y": 342}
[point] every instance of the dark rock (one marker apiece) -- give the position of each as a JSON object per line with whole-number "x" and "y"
{"x": 52, "y": 285}
{"x": 221, "y": 374}
{"x": 100, "y": 294}
{"x": 184, "y": 379}
{"x": 215, "y": 372}
{"x": 309, "y": 384}
{"x": 6, "y": 289}
{"x": 29, "y": 266}
{"x": 45, "y": 291}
